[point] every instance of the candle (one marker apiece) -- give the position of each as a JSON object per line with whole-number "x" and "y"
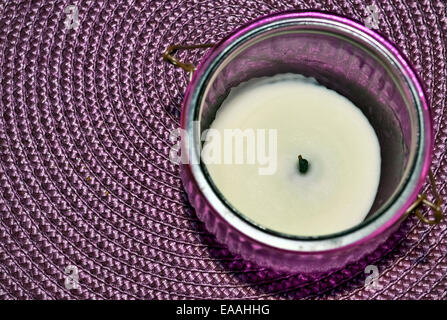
{"x": 323, "y": 166}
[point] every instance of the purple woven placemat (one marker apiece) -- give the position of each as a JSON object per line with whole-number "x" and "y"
{"x": 85, "y": 174}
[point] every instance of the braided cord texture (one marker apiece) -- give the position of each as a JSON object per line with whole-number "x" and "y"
{"x": 85, "y": 175}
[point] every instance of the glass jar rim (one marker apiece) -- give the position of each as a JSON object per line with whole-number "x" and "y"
{"x": 361, "y": 232}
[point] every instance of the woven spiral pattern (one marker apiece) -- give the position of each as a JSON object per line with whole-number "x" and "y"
{"x": 85, "y": 175}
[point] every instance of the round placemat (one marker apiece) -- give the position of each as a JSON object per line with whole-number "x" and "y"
{"x": 91, "y": 206}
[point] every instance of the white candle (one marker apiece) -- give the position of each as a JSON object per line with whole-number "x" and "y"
{"x": 324, "y": 127}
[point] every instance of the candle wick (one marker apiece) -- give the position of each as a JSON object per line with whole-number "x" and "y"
{"x": 303, "y": 164}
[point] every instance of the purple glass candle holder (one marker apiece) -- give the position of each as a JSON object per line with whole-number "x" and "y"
{"x": 344, "y": 56}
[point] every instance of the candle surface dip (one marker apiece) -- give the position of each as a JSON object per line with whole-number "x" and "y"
{"x": 339, "y": 186}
